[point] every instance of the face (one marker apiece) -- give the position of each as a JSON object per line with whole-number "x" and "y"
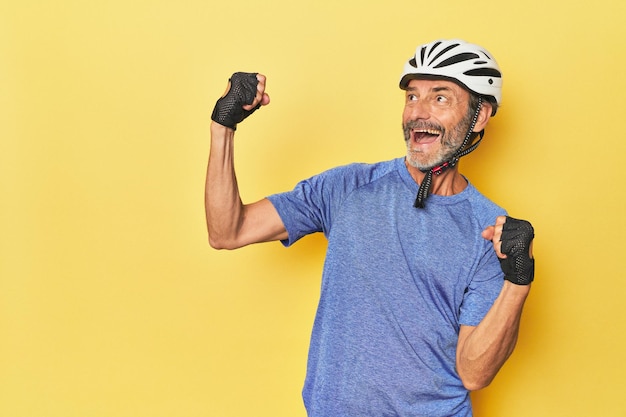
{"x": 435, "y": 120}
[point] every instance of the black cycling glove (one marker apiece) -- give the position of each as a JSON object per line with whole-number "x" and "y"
{"x": 516, "y": 237}
{"x": 229, "y": 110}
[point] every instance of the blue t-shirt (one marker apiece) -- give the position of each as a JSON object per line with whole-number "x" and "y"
{"x": 397, "y": 284}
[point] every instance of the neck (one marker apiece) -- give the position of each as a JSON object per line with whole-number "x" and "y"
{"x": 449, "y": 182}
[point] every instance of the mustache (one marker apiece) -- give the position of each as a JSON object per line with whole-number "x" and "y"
{"x": 421, "y": 125}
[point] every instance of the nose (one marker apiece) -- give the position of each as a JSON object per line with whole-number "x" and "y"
{"x": 417, "y": 110}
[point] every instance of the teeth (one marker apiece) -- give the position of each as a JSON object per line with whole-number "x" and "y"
{"x": 429, "y": 131}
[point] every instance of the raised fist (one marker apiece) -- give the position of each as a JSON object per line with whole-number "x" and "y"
{"x": 229, "y": 109}
{"x": 518, "y": 266}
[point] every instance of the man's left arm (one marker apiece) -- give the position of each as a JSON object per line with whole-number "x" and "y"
{"x": 483, "y": 349}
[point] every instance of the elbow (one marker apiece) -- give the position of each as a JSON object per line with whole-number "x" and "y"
{"x": 225, "y": 241}
{"x": 219, "y": 244}
{"x": 216, "y": 244}
{"x": 476, "y": 383}
{"x": 218, "y": 239}
{"x": 475, "y": 376}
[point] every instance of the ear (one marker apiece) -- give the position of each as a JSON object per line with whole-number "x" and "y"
{"x": 483, "y": 116}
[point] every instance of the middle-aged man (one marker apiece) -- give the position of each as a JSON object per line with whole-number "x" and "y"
{"x": 425, "y": 278}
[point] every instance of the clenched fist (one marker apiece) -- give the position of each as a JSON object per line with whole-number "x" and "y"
{"x": 246, "y": 93}
{"x": 512, "y": 240}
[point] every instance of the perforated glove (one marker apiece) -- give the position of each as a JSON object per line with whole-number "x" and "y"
{"x": 516, "y": 237}
{"x": 229, "y": 110}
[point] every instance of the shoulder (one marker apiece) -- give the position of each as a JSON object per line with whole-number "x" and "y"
{"x": 356, "y": 168}
{"x": 359, "y": 173}
{"x": 484, "y": 209}
{"x": 334, "y": 185}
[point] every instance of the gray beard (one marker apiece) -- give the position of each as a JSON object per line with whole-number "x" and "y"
{"x": 451, "y": 141}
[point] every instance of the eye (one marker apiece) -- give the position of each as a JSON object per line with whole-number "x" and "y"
{"x": 411, "y": 97}
{"x": 441, "y": 99}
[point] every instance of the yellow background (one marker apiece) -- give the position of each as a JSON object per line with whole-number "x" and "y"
{"x": 112, "y": 304}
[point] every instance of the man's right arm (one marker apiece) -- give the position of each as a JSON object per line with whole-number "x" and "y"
{"x": 230, "y": 223}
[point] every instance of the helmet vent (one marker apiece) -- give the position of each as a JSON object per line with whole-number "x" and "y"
{"x": 454, "y": 45}
{"x": 422, "y": 54}
{"x": 432, "y": 49}
{"x": 466, "y": 56}
{"x": 483, "y": 72}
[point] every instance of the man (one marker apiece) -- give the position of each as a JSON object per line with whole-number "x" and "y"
{"x": 414, "y": 312}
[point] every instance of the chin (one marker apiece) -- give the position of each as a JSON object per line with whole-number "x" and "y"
{"x": 421, "y": 161}
{"x": 419, "y": 164}
{"x": 424, "y": 162}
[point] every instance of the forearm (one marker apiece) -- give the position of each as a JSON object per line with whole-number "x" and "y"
{"x": 483, "y": 349}
{"x": 223, "y": 206}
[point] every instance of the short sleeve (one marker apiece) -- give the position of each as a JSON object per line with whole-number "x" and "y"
{"x": 484, "y": 287}
{"x": 301, "y": 209}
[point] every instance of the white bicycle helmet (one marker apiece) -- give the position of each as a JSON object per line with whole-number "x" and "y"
{"x": 469, "y": 65}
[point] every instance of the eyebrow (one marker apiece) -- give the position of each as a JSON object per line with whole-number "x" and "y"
{"x": 434, "y": 89}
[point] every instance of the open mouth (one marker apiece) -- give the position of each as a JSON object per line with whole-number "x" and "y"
{"x": 424, "y": 136}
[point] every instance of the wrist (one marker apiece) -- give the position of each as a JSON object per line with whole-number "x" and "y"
{"x": 220, "y": 130}
{"x": 516, "y": 290}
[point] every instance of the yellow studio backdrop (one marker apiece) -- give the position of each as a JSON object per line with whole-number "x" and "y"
{"x": 112, "y": 304}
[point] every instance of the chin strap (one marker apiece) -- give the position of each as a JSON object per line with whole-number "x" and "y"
{"x": 424, "y": 190}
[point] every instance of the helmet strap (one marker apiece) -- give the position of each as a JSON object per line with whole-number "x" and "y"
{"x": 425, "y": 186}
